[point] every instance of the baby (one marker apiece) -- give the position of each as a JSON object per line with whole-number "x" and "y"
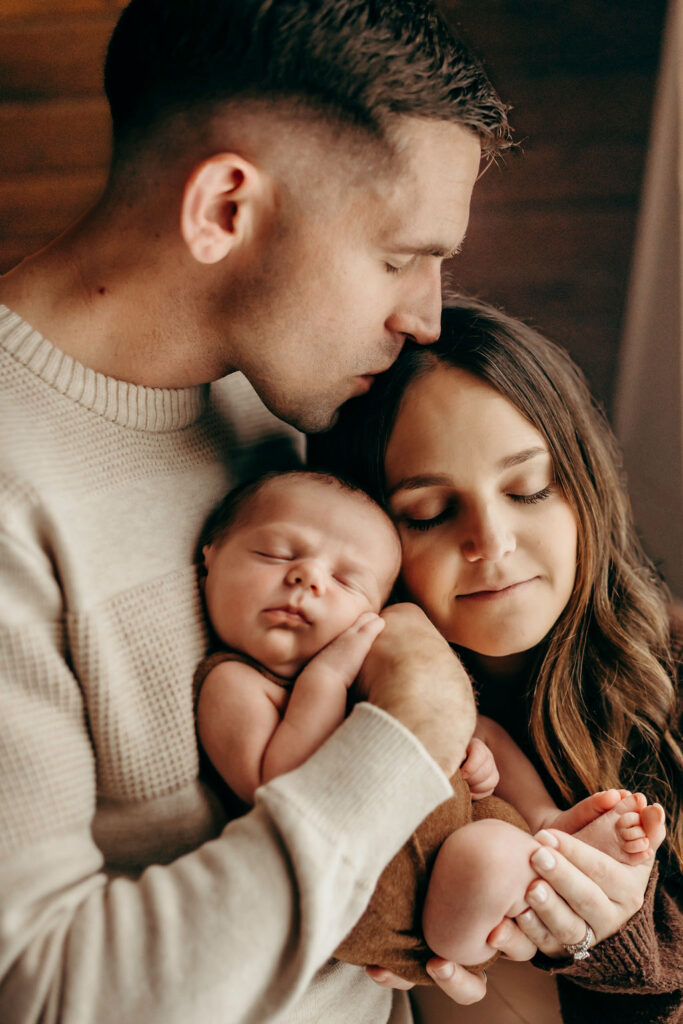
{"x": 298, "y": 566}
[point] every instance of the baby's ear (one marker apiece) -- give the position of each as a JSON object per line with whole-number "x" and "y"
{"x": 203, "y": 565}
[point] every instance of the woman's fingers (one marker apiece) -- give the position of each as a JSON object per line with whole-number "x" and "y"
{"x": 456, "y": 982}
{"x": 550, "y": 922}
{"x": 537, "y": 933}
{"x": 584, "y": 882}
{"x": 514, "y": 944}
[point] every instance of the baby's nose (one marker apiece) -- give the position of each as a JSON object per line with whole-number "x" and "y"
{"x": 307, "y": 573}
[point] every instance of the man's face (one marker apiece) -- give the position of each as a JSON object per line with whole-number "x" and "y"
{"x": 307, "y": 561}
{"x": 329, "y": 299}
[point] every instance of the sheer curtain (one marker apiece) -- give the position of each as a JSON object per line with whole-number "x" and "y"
{"x": 648, "y": 409}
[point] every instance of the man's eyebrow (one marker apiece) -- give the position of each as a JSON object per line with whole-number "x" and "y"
{"x": 442, "y": 252}
{"x": 523, "y": 456}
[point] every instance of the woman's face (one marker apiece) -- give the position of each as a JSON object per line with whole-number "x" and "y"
{"x": 489, "y": 541}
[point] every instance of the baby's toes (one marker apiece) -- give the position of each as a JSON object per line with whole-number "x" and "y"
{"x": 653, "y": 821}
{"x": 639, "y": 845}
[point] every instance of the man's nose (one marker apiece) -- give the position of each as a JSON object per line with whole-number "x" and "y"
{"x": 418, "y": 314}
{"x": 307, "y": 573}
{"x": 487, "y": 536}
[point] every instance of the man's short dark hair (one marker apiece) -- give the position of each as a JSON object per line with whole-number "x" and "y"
{"x": 356, "y": 62}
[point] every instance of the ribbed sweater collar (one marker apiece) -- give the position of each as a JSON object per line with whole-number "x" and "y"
{"x": 128, "y": 405}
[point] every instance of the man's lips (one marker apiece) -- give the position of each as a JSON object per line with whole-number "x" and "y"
{"x": 494, "y": 593}
{"x": 287, "y": 615}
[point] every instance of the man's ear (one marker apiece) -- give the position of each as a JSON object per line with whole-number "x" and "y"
{"x": 219, "y": 204}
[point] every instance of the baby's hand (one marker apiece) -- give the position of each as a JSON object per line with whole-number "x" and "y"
{"x": 479, "y": 769}
{"x": 341, "y": 660}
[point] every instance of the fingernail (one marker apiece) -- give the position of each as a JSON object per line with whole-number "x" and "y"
{"x": 543, "y": 859}
{"x": 502, "y": 936}
{"x": 538, "y": 894}
{"x": 547, "y": 838}
{"x": 442, "y": 973}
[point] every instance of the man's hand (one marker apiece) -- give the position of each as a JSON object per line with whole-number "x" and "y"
{"x": 412, "y": 674}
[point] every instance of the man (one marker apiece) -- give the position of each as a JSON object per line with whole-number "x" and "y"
{"x": 287, "y": 177}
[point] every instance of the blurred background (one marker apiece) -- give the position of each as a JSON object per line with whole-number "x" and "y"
{"x": 578, "y": 230}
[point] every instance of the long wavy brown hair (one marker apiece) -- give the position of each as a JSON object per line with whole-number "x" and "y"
{"x": 603, "y": 701}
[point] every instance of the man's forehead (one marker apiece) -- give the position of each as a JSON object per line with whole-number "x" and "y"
{"x": 426, "y": 192}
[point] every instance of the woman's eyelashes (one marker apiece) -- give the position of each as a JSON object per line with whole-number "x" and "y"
{"x": 531, "y": 499}
{"x": 422, "y": 523}
{"x": 416, "y": 521}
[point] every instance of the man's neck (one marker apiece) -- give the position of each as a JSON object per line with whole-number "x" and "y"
{"x": 105, "y": 296}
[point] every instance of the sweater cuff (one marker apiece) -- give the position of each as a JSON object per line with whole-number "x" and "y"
{"x": 371, "y": 778}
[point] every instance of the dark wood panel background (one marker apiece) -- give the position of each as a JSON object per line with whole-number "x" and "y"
{"x": 552, "y": 227}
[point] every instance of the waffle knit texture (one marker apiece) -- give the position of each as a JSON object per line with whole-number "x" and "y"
{"x": 123, "y": 894}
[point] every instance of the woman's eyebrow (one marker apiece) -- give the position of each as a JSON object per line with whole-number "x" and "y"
{"x": 412, "y": 483}
{"x": 523, "y": 456}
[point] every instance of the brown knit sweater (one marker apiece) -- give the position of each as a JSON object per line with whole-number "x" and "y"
{"x": 635, "y": 976}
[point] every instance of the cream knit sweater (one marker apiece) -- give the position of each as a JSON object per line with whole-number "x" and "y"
{"x": 123, "y": 896}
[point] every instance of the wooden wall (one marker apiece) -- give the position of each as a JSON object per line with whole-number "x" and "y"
{"x": 552, "y": 228}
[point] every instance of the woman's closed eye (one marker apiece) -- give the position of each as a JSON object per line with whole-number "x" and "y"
{"x": 426, "y": 517}
{"x": 532, "y": 499}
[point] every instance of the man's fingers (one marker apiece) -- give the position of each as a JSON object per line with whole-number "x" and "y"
{"x": 456, "y": 982}
{"x": 387, "y": 979}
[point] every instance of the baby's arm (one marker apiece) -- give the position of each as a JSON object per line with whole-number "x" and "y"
{"x": 249, "y": 729}
{"x": 317, "y": 704}
{"x": 609, "y": 820}
{"x": 519, "y": 783}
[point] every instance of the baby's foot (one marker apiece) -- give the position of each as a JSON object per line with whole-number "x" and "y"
{"x": 586, "y": 811}
{"x": 625, "y": 831}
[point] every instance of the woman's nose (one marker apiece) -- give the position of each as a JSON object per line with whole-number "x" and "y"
{"x": 487, "y": 537}
{"x": 306, "y": 573}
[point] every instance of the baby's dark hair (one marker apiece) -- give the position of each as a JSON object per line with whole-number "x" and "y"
{"x": 355, "y": 62}
{"x": 233, "y": 508}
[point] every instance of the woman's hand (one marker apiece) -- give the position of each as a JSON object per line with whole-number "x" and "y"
{"x": 581, "y": 886}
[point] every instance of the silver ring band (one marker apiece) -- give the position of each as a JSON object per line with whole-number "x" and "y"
{"x": 579, "y": 950}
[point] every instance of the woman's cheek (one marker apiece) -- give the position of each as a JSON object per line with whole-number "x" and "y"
{"x": 421, "y": 574}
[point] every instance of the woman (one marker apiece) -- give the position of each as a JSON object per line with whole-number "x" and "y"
{"x": 517, "y": 541}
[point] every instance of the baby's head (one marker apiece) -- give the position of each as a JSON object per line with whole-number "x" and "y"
{"x": 292, "y": 560}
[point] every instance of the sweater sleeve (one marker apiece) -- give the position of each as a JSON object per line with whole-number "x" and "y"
{"x": 233, "y": 930}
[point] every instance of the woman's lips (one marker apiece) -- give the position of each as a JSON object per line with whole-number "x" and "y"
{"x": 498, "y": 594}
